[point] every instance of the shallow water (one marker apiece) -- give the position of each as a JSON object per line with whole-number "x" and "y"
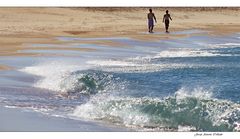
{"x": 167, "y": 85}
{"x": 183, "y": 32}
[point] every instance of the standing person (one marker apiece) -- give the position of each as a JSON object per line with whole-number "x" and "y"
{"x": 166, "y": 18}
{"x": 150, "y": 17}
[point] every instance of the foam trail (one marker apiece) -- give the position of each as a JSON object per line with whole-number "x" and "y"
{"x": 185, "y": 53}
{"x": 137, "y": 65}
{"x": 229, "y": 44}
{"x": 110, "y": 63}
{"x": 221, "y": 45}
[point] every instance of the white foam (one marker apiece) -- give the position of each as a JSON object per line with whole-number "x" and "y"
{"x": 184, "y": 53}
{"x": 237, "y": 126}
{"x": 221, "y": 45}
{"x": 110, "y": 63}
{"x": 101, "y": 107}
{"x": 141, "y": 65}
{"x": 137, "y": 66}
{"x": 197, "y": 92}
{"x": 124, "y": 66}
{"x": 181, "y": 53}
{"x": 52, "y": 73}
{"x": 229, "y": 44}
{"x": 186, "y": 128}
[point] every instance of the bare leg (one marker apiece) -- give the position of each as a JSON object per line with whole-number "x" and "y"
{"x": 152, "y": 29}
{"x": 166, "y": 25}
{"x": 166, "y": 28}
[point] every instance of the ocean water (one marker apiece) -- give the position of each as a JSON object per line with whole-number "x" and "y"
{"x": 185, "y": 84}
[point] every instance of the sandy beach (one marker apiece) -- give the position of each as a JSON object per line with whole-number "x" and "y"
{"x": 22, "y": 26}
{"x": 101, "y": 64}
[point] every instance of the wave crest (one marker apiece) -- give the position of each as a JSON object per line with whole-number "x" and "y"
{"x": 184, "y": 109}
{"x": 89, "y": 82}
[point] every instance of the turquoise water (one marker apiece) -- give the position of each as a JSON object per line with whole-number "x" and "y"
{"x": 188, "y": 84}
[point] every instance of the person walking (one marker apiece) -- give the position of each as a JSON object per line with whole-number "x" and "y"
{"x": 166, "y": 18}
{"x": 150, "y": 17}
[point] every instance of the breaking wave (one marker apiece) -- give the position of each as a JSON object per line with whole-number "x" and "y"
{"x": 195, "y": 109}
{"x": 71, "y": 82}
{"x": 90, "y": 82}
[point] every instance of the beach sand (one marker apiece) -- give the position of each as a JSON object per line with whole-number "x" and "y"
{"x": 23, "y": 26}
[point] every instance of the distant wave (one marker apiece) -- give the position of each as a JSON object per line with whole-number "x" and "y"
{"x": 187, "y": 52}
{"x": 221, "y": 45}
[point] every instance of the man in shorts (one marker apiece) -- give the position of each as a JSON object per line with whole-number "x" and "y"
{"x": 151, "y": 16}
{"x": 166, "y": 18}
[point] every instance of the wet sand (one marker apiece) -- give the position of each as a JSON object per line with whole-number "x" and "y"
{"x": 15, "y": 120}
{"x": 2, "y": 67}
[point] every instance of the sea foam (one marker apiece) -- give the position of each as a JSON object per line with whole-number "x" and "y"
{"x": 186, "y": 110}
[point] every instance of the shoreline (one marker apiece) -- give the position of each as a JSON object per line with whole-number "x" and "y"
{"x": 17, "y": 45}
